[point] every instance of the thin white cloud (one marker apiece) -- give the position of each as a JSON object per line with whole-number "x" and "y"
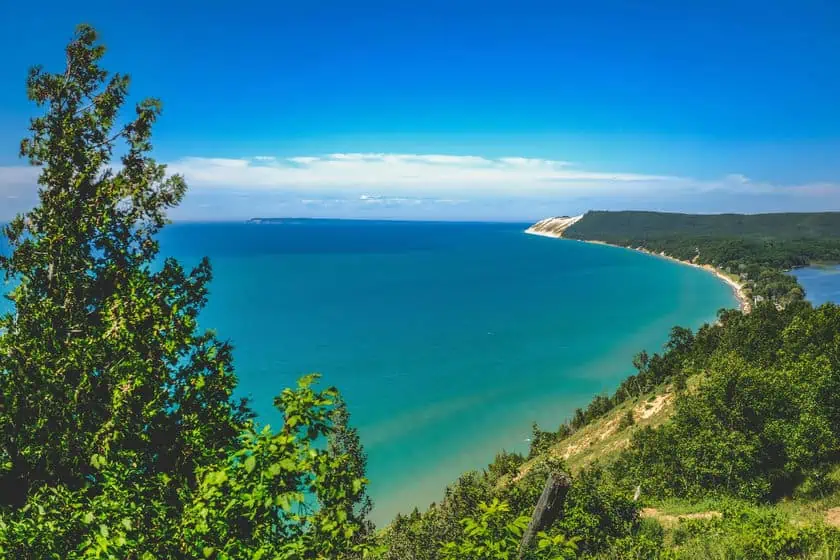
{"x": 428, "y": 181}
{"x": 415, "y": 174}
{"x": 303, "y": 160}
{"x": 447, "y": 176}
{"x": 227, "y": 163}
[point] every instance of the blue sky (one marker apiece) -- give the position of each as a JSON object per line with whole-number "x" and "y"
{"x": 462, "y": 109}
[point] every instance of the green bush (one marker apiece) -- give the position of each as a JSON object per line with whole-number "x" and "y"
{"x": 750, "y": 533}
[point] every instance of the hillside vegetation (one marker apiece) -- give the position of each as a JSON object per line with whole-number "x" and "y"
{"x": 613, "y": 226}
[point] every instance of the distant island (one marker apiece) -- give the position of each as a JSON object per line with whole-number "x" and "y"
{"x": 276, "y": 221}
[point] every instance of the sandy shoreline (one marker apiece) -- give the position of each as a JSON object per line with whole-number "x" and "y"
{"x": 737, "y": 288}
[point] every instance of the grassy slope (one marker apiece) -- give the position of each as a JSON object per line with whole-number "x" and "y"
{"x": 603, "y": 439}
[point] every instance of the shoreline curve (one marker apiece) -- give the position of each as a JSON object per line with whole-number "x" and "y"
{"x": 744, "y": 303}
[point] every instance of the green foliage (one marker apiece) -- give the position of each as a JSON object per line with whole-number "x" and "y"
{"x": 279, "y": 495}
{"x": 752, "y": 533}
{"x": 496, "y": 535}
{"x": 542, "y": 441}
{"x": 119, "y": 434}
{"x": 260, "y": 502}
{"x": 102, "y": 359}
{"x": 596, "y": 513}
{"x": 504, "y": 467}
{"x": 647, "y": 541}
{"x": 764, "y": 421}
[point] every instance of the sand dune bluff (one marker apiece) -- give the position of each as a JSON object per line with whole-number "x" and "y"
{"x": 553, "y": 227}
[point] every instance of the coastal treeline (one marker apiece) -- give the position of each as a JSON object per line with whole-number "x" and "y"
{"x": 756, "y": 250}
{"x": 627, "y": 224}
{"x": 120, "y": 436}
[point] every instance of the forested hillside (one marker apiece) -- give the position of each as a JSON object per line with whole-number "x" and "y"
{"x": 614, "y": 226}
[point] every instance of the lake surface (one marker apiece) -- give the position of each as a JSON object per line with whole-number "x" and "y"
{"x": 447, "y": 340}
{"x": 822, "y": 284}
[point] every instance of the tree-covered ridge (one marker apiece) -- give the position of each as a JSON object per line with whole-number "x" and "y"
{"x": 765, "y": 421}
{"x": 610, "y": 226}
{"x": 755, "y": 249}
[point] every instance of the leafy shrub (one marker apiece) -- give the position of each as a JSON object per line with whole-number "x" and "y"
{"x": 597, "y": 512}
{"x": 752, "y": 533}
{"x": 762, "y": 422}
{"x": 496, "y": 534}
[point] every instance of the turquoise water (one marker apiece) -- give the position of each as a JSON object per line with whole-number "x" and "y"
{"x": 822, "y": 284}
{"x": 447, "y": 340}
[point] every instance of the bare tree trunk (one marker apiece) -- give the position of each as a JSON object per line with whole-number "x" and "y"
{"x": 548, "y": 509}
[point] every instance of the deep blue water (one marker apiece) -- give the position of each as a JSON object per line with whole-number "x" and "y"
{"x": 446, "y": 339}
{"x": 822, "y": 284}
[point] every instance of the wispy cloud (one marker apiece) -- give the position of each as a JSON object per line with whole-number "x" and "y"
{"x": 416, "y": 174}
{"x": 426, "y": 175}
{"x": 388, "y": 184}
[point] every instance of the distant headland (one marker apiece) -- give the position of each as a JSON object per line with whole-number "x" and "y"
{"x": 750, "y": 252}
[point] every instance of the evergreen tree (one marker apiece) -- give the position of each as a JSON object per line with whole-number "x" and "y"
{"x": 119, "y": 433}
{"x": 102, "y": 359}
